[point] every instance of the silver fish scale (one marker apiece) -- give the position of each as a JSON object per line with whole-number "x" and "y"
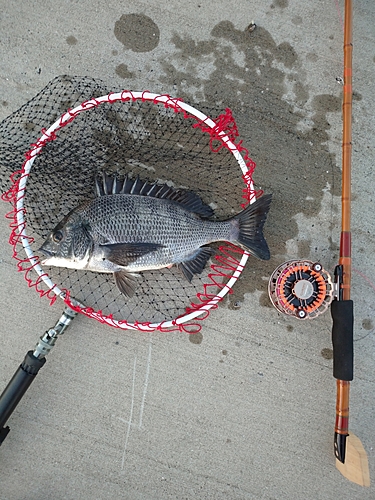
{"x": 124, "y": 218}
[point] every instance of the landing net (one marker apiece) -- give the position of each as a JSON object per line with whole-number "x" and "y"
{"x": 55, "y": 145}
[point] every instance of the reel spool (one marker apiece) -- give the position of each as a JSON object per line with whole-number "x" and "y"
{"x": 300, "y": 288}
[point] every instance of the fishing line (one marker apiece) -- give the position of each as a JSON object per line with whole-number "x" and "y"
{"x": 339, "y": 14}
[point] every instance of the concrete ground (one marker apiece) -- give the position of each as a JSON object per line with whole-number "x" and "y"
{"x": 246, "y": 410}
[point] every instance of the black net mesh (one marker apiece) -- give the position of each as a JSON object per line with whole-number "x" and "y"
{"x": 133, "y": 137}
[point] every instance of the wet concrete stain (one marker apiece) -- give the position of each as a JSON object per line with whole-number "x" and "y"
{"x": 71, "y": 40}
{"x": 137, "y": 32}
{"x": 264, "y": 300}
{"x": 282, "y": 4}
{"x": 311, "y": 56}
{"x": 196, "y": 338}
{"x": 367, "y": 324}
{"x": 250, "y": 73}
{"x": 123, "y": 72}
{"x": 297, "y": 20}
{"x": 327, "y": 353}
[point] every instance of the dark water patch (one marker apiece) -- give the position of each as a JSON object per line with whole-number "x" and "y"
{"x": 334, "y": 247}
{"x": 193, "y": 47}
{"x": 264, "y": 299}
{"x": 301, "y": 93}
{"x": 137, "y": 32}
{"x": 367, "y": 324}
{"x": 304, "y": 247}
{"x": 196, "y": 338}
{"x": 327, "y": 353}
{"x": 311, "y": 56}
{"x": 297, "y": 20}
{"x": 71, "y": 40}
{"x": 123, "y": 72}
{"x": 250, "y": 73}
{"x": 281, "y": 3}
{"x": 286, "y": 54}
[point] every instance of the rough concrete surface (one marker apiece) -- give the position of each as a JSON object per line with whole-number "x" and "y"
{"x": 244, "y": 410}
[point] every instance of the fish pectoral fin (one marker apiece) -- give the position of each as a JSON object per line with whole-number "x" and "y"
{"x": 124, "y": 254}
{"x": 197, "y": 263}
{"x": 126, "y": 282}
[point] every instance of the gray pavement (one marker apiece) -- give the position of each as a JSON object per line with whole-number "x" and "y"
{"x": 246, "y": 410}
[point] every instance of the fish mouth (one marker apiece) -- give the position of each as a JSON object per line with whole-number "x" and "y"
{"x": 46, "y": 253}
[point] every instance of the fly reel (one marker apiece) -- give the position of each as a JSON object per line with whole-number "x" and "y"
{"x": 300, "y": 288}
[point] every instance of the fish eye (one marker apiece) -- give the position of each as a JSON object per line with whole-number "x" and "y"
{"x": 57, "y": 236}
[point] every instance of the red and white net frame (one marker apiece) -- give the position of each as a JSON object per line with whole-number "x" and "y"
{"x": 229, "y": 263}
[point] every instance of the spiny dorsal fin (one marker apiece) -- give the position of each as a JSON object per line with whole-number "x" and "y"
{"x": 113, "y": 184}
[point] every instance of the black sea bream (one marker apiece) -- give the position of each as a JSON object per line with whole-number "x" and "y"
{"x": 134, "y": 226}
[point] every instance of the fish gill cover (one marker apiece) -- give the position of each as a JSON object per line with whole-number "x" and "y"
{"x": 136, "y": 137}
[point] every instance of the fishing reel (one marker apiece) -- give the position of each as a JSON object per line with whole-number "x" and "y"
{"x": 301, "y": 288}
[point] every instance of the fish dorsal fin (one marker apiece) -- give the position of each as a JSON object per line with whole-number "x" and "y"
{"x": 113, "y": 184}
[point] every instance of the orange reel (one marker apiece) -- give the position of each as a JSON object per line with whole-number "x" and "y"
{"x": 300, "y": 288}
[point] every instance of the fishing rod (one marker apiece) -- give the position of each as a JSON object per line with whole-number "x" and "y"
{"x": 342, "y": 306}
{"x": 304, "y": 290}
{"x": 351, "y": 456}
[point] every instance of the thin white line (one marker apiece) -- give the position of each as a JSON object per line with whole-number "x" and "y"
{"x": 145, "y": 385}
{"x": 130, "y": 416}
{"x": 125, "y": 421}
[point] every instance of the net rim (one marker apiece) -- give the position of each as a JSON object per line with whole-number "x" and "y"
{"x": 49, "y": 135}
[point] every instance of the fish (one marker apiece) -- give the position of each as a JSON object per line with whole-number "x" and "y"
{"x": 134, "y": 225}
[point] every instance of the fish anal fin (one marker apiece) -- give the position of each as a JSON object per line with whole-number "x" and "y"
{"x": 124, "y": 254}
{"x": 196, "y": 264}
{"x": 126, "y": 282}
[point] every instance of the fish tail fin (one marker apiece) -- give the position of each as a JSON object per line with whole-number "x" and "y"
{"x": 250, "y": 228}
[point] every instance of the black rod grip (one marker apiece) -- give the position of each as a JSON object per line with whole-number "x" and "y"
{"x": 18, "y": 385}
{"x": 342, "y": 339}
